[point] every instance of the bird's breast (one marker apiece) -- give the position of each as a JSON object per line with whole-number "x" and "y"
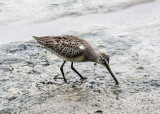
{"x": 74, "y": 59}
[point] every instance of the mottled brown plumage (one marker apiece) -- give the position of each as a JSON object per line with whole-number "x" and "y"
{"x": 69, "y": 48}
{"x": 74, "y": 49}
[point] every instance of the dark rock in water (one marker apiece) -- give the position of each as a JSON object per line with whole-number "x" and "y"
{"x": 140, "y": 68}
{"x": 99, "y": 112}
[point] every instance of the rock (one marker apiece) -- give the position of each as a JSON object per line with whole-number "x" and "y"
{"x": 140, "y": 68}
{"x": 99, "y": 112}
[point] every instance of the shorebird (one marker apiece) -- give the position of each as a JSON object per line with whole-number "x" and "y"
{"x": 74, "y": 49}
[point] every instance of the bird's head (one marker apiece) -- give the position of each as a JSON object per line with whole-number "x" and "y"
{"x": 103, "y": 59}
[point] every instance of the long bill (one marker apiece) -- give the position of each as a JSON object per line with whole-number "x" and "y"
{"x": 110, "y": 71}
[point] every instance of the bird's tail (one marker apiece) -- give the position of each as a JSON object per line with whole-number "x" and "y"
{"x": 35, "y": 37}
{"x": 40, "y": 40}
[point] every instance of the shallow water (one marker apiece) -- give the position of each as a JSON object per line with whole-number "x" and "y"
{"x": 121, "y": 22}
{"x": 31, "y": 82}
{"x": 46, "y": 10}
{"x": 30, "y": 77}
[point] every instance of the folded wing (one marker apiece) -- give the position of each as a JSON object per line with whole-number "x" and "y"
{"x": 67, "y": 46}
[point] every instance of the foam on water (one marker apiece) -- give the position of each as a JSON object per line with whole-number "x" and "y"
{"x": 17, "y": 14}
{"x": 44, "y": 10}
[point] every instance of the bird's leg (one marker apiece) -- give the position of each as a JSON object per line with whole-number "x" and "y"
{"x": 77, "y": 72}
{"x": 61, "y": 68}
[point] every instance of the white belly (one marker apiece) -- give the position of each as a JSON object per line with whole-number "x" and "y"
{"x": 76, "y": 59}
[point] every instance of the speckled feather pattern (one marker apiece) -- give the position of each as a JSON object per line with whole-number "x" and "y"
{"x": 66, "y": 46}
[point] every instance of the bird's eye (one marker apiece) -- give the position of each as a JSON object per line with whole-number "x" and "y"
{"x": 103, "y": 60}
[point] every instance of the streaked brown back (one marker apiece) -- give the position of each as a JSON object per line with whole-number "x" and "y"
{"x": 67, "y": 46}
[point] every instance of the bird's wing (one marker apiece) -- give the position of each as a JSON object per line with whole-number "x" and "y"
{"x": 67, "y": 46}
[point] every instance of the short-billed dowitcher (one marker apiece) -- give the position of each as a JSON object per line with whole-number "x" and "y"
{"x": 74, "y": 49}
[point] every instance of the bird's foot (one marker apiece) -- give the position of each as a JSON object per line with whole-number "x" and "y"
{"x": 65, "y": 81}
{"x": 83, "y": 78}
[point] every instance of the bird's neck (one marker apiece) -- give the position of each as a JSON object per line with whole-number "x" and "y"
{"x": 93, "y": 57}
